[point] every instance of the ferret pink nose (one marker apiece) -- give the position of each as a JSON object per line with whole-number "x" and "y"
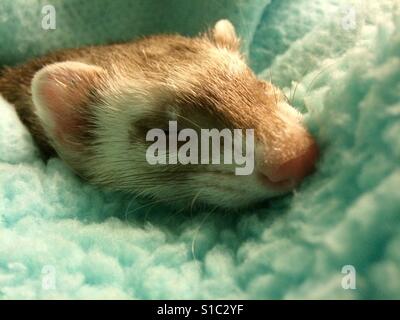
{"x": 291, "y": 173}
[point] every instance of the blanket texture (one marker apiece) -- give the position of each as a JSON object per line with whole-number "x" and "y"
{"x": 340, "y": 63}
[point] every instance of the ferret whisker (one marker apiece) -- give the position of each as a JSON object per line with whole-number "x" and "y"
{"x": 273, "y": 87}
{"x": 160, "y": 201}
{"x": 148, "y": 212}
{"x": 111, "y": 96}
{"x": 270, "y": 75}
{"x": 198, "y": 230}
{"x": 178, "y": 115}
{"x": 315, "y": 78}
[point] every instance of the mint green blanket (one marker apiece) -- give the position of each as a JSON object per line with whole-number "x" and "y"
{"x": 339, "y": 60}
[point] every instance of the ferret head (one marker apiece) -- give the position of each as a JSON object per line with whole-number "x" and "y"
{"x": 97, "y": 116}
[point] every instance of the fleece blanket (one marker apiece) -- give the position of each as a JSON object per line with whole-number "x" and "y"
{"x": 337, "y": 236}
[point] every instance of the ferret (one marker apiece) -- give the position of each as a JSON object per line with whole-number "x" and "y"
{"x": 92, "y": 107}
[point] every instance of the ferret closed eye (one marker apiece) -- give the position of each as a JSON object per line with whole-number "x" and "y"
{"x": 94, "y": 106}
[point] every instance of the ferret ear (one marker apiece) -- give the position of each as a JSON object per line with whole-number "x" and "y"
{"x": 224, "y": 35}
{"x": 63, "y": 94}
